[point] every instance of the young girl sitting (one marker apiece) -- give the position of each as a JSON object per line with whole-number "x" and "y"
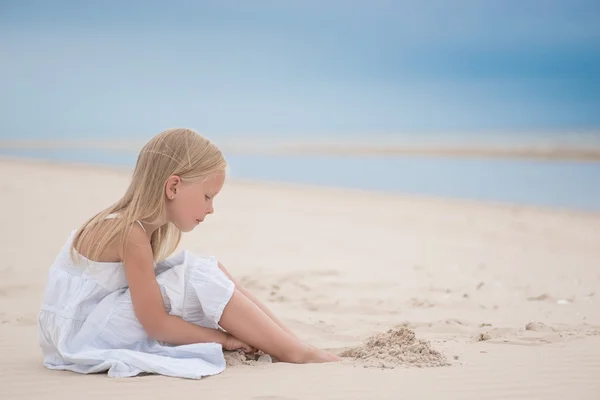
{"x": 115, "y": 303}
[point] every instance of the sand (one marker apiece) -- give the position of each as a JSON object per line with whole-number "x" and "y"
{"x": 394, "y": 348}
{"x": 508, "y": 295}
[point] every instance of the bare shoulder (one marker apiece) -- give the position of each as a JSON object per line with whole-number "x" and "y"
{"x": 137, "y": 247}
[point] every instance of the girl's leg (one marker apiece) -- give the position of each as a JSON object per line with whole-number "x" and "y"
{"x": 247, "y": 322}
{"x": 256, "y": 301}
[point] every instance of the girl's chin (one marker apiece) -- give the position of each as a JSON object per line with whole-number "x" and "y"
{"x": 188, "y": 227}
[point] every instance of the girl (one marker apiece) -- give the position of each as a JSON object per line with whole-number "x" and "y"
{"x": 114, "y": 302}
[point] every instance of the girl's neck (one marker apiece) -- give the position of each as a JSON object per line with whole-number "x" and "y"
{"x": 151, "y": 227}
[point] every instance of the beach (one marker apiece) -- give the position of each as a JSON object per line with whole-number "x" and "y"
{"x": 508, "y": 294}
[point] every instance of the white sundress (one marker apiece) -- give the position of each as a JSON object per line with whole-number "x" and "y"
{"x": 87, "y": 323}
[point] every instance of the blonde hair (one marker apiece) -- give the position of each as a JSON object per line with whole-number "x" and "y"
{"x": 179, "y": 151}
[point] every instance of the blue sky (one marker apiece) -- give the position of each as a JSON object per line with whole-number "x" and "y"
{"x": 132, "y": 68}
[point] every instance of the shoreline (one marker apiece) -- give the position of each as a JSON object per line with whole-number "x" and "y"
{"x": 550, "y": 151}
{"x": 332, "y": 189}
{"x": 502, "y": 152}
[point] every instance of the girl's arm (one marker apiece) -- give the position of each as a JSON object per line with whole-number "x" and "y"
{"x": 148, "y": 302}
{"x": 257, "y": 302}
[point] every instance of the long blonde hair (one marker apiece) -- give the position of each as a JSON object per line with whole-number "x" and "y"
{"x": 179, "y": 151}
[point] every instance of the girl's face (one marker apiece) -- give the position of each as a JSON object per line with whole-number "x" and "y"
{"x": 188, "y": 203}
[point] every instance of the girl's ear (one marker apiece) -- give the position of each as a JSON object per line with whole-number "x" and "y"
{"x": 171, "y": 186}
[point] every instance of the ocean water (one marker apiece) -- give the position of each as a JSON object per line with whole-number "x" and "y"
{"x": 573, "y": 185}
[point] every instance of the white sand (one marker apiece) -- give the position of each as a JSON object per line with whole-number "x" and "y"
{"x": 510, "y": 295}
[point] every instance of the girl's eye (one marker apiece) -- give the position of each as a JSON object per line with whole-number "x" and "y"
{"x": 207, "y": 197}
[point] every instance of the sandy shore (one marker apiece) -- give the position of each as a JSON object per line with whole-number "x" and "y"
{"x": 509, "y": 294}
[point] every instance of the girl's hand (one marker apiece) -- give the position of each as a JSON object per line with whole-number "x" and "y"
{"x": 233, "y": 343}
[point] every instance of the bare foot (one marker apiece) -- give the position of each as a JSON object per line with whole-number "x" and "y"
{"x": 332, "y": 357}
{"x": 315, "y": 355}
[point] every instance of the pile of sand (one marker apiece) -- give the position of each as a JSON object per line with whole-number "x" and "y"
{"x": 396, "y": 347}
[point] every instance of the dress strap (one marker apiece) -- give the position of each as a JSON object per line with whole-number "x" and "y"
{"x": 142, "y": 226}
{"x": 115, "y": 215}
